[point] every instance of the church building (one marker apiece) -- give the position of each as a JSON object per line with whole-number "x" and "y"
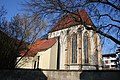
{"x": 69, "y": 47}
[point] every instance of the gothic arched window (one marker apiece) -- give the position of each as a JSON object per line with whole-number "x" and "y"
{"x": 86, "y": 47}
{"x": 74, "y": 48}
{"x": 68, "y": 54}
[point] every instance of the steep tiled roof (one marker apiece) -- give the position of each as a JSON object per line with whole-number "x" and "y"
{"x": 68, "y": 20}
{"x": 39, "y": 45}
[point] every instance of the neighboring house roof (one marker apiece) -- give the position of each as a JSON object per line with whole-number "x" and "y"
{"x": 22, "y": 44}
{"x": 109, "y": 55}
{"x": 3, "y": 34}
{"x": 12, "y": 42}
{"x": 118, "y": 50}
{"x": 68, "y": 20}
{"x": 39, "y": 45}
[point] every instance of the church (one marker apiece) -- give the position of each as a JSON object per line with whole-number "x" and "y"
{"x": 69, "y": 47}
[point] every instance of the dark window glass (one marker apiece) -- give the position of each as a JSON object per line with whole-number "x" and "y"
{"x": 68, "y": 49}
{"x": 86, "y": 48}
{"x": 74, "y": 48}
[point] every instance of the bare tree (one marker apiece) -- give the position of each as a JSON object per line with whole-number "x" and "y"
{"x": 6, "y": 49}
{"x": 16, "y": 35}
{"x": 104, "y": 13}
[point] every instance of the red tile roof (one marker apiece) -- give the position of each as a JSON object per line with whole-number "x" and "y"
{"x": 39, "y": 45}
{"x": 68, "y": 20}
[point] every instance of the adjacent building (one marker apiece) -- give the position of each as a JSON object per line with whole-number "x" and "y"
{"x": 118, "y": 58}
{"x": 109, "y": 61}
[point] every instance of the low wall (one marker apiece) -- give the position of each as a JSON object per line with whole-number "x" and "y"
{"x": 31, "y": 74}
{"x": 22, "y": 74}
{"x": 100, "y": 75}
{"x": 82, "y": 75}
{"x": 62, "y": 74}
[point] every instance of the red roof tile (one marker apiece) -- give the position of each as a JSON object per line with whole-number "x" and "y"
{"x": 68, "y": 21}
{"x": 39, "y": 45}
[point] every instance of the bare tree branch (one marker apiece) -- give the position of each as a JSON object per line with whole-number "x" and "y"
{"x": 109, "y": 17}
{"x": 104, "y": 2}
{"x": 51, "y": 7}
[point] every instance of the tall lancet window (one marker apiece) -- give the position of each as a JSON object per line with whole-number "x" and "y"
{"x": 86, "y": 47}
{"x": 68, "y": 48}
{"x": 74, "y": 48}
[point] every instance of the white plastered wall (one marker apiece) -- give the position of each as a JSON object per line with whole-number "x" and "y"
{"x": 48, "y": 58}
{"x": 63, "y": 35}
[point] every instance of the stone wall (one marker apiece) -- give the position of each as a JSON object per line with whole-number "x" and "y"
{"x": 62, "y": 74}
{"x": 27, "y": 74}
{"x": 82, "y": 75}
{"x": 22, "y": 74}
{"x": 100, "y": 75}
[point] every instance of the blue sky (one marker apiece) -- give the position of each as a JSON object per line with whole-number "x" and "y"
{"x": 12, "y": 6}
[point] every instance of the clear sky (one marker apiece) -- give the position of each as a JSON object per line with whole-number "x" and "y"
{"x": 12, "y": 7}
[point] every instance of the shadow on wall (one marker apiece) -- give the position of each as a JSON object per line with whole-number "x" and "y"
{"x": 22, "y": 74}
{"x": 100, "y": 75}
